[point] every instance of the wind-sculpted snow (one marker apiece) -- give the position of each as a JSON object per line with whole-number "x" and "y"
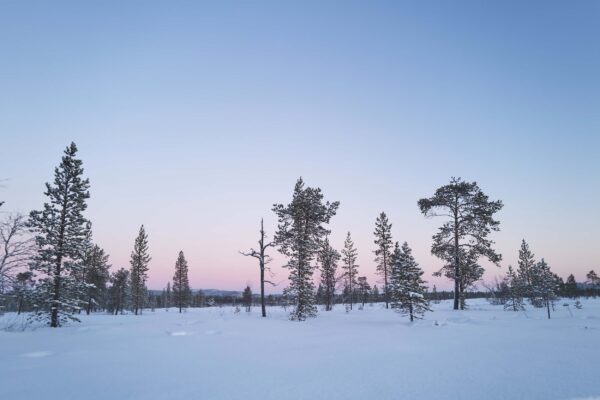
{"x": 215, "y": 353}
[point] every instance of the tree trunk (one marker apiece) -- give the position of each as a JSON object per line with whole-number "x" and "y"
{"x": 548, "y": 308}
{"x": 385, "y": 281}
{"x": 262, "y": 286}
{"x": 56, "y": 295}
{"x": 456, "y": 263}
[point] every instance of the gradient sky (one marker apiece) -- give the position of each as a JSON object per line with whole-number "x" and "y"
{"x": 194, "y": 118}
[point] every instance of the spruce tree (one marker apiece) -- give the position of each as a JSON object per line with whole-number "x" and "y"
{"x": 299, "y": 236}
{"x": 516, "y": 290}
{"x": 383, "y": 253}
{"x": 349, "y": 256}
{"x": 470, "y": 219}
{"x": 407, "y": 287}
{"x": 181, "y": 284}
{"x": 140, "y": 258}
{"x": 525, "y": 266}
{"x": 328, "y": 258}
{"x": 247, "y": 298}
{"x": 61, "y": 231}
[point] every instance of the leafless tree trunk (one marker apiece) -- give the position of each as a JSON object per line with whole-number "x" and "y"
{"x": 263, "y": 260}
{"x": 17, "y": 248}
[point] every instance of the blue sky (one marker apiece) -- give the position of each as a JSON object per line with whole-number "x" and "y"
{"x": 194, "y": 118}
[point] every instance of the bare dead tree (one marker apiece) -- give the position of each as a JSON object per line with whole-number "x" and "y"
{"x": 263, "y": 260}
{"x": 17, "y": 246}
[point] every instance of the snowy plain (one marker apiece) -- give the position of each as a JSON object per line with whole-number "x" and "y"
{"x": 215, "y": 353}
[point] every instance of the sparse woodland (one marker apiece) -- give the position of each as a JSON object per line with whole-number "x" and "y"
{"x": 51, "y": 269}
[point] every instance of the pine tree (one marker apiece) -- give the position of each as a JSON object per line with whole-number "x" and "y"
{"x": 140, "y": 258}
{"x": 383, "y": 240}
{"x": 516, "y": 290}
{"x": 544, "y": 285}
{"x": 328, "y": 258}
{"x": 407, "y": 287}
{"x": 593, "y": 280}
{"x": 299, "y": 237}
{"x": 375, "y": 294}
{"x": 435, "y": 295}
{"x": 247, "y": 298}
{"x": 571, "y": 287}
{"x": 363, "y": 289}
{"x": 470, "y": 273}
{"x": 465, "y": 233}
{"x": 181, "y": 285}
{"x": 349, "y": 256}
{"x": 22, "y": 289}
{"x": 61, "y": 232}
{"x": 320, "y": 296}
{"x": 95, "y": 277}
{"x": 168, "y": 296}
{"x": 117, "y": 293}
{"x": 395, "y": 276}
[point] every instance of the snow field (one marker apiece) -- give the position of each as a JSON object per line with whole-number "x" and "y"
{"x": 214, "y": 353}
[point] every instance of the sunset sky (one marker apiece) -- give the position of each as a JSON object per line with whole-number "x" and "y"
{"x": 194, "y": 118}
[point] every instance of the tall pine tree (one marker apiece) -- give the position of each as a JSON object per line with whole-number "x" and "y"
{"x": 181, "y": 284}
{"x": 349, "y": 256}
{"x": 299, "y": 236}
{"x": 470, "y": 219}
{"x": 140, "y": 258}
{"x": 383, "y": 253}
{"x": 61, "y": 236}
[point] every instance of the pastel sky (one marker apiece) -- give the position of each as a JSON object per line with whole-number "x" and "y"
{"x": 194, "y": 118}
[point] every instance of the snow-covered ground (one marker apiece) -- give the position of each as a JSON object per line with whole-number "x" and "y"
{"x": 213, "y": 353}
